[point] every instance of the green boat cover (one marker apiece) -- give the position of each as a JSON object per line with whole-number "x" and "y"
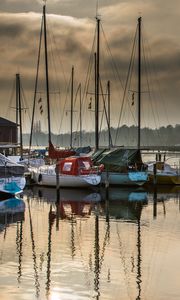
{"x": 117, "y": 160}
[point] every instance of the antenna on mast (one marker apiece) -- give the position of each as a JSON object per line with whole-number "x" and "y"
{"x": 97, "y": 9}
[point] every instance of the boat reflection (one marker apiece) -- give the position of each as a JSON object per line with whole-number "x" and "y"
{"x": 11, "y": 211}
{"x": 69, "y": 202}
{"x": 160, "y": 194}
{"x": 107, "y": 210}
{"x": 124, "y": 203}
{"x": 164, "y": 192}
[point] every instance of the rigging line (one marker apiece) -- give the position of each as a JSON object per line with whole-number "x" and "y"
{"x": 55, "y": 73}
{"x": 75, "y": 98}
{"x": 103, "y": 105}
{"x": 25, "y": 108}
{"x": 78, "y": 122}
{"x": 113, "y": 62}
{"x": 61, "y": 121}
{"x": 105, "y": 111}
{"x": 11, "y": 96}
{"x": 52, "y": 64}
{"x": 36, "y": 85}
{"x": 89, "y": 70}
{"x": 158, "y": 84}
{"x": 148, "y": 84}
{"x": 126, "y": 84}
{"x": 59, "y": 57}
{"x": 53, "y": 61}
{"x": 114, "y": 66}
{"x": 153, "y": 112}
{"x": 130, "y": 80}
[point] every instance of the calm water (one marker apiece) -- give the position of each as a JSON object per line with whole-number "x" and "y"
{"x": 87, "y": 247}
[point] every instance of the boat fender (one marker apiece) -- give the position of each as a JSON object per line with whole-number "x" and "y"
{"x": 40, "y": 177}
{"x": 101, "y": 167}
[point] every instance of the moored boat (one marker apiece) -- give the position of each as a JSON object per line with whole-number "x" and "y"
{"x": 122, "y": 167}
{"x": 12, "y": 176}
{"x": 163, "y": 173}
{"x": 75, "y": 171}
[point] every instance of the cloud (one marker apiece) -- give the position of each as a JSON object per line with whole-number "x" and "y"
{"x": 70, "y": 38}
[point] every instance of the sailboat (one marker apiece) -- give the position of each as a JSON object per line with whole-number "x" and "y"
{"x": 121, "y": 166}
{"x": 70, "y": 171}
{"x": 160, "y": 172}
{"x": 12, "y": 177}
{"x": 12, "y": 173}
{"x": 53, "y": 153}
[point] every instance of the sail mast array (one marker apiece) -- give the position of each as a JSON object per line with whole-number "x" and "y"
{"x": 139, "y": 83}
{"x": 47, "y": 75}
{"x": 97, "y": 86}
{"x": 18, "y": 111}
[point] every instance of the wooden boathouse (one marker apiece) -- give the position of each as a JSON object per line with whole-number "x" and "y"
{"x": 8, "y": 137}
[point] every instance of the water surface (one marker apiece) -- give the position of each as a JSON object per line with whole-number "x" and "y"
{"x": 123, "y": 244}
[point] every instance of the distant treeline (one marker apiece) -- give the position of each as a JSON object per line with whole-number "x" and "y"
{"x": 127, "y": 136}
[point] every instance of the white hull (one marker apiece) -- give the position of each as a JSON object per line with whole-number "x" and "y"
{"x": 65, "y": 180}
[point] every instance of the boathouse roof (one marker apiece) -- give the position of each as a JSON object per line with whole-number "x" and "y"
{"x": 5, "y": 122}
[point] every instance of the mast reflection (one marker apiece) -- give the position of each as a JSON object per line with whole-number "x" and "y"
{"x": 70, "y": 205}
{"x": 96, "y": 255}
{"x": 36, "y": 276}
{"x": 51, "y": 222}
{"x": 19, "y": 244}
{"x": 126, "y": 204}
{"x": 139, "y": 259}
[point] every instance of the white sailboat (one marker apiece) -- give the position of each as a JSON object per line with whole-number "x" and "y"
{"x": 12, "y": 178}
{"x": 70, "y": 171}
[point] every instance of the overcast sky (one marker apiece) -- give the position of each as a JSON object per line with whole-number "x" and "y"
{"x": 71, "y": 27}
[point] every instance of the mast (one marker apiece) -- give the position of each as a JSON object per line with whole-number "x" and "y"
{"x": 47, "y": 75}
{"x": 97, "y": 86}
{"x": 18, "y": 112}
{"x": 72, "y": 96}
{"x": 109, "y": 114}
{"x": 17, "y": 102}
{"x": 139, "y": 83}
{"x": 80, "y": 116}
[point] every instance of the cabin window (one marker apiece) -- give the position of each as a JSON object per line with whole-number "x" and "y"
{"x": 85, "y": 165}
{"x": 67, "y": 166}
